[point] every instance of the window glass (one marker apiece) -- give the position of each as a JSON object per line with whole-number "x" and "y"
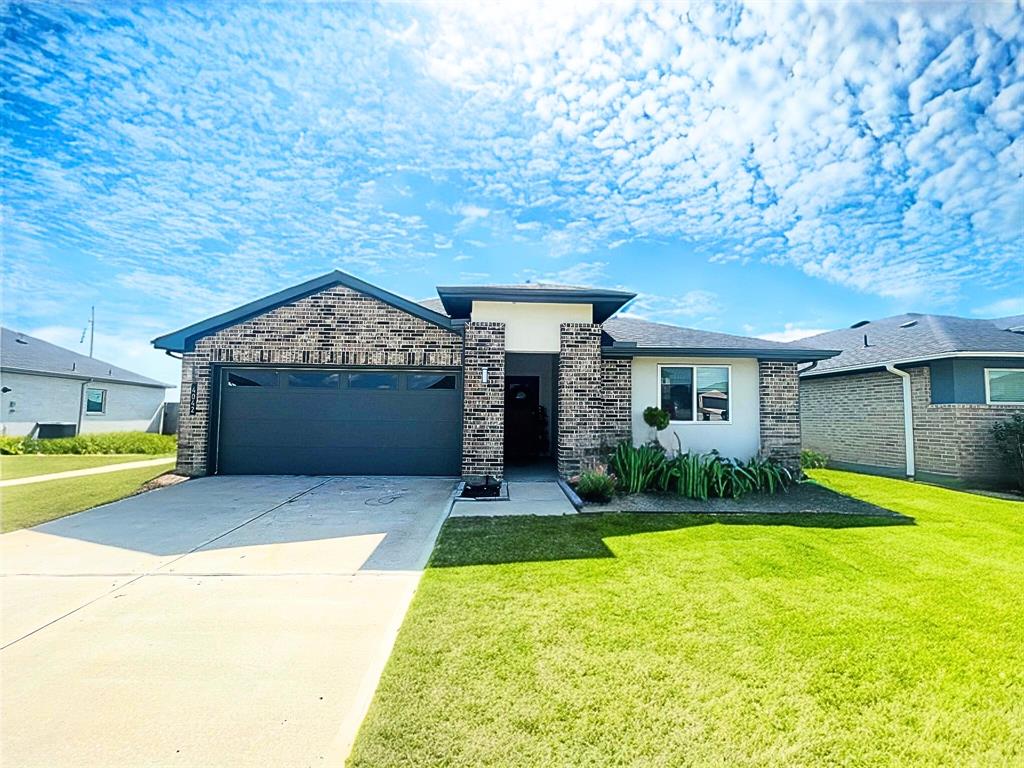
{"x": 430, "y": 381}
{"x": 712, "y": 393}
{"x": 1006, "y": 386}
{"x": 314, "y": 380}
{"x": 95, "y": 400}
{"x": 373, "y": 381}
{"x": 677, "y": 393}
{"x": 252, "y": 379}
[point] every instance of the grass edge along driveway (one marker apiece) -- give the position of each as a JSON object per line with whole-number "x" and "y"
{"x": 31, "y": 465}
{"x": 674, "y": 640}
{"x": 22, "y": 506}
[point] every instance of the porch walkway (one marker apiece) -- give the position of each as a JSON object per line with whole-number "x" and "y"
{"x": 524, "y": 498}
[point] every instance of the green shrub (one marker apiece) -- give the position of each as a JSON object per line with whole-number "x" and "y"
{"x": 813, "y": 460}
{"x": 637, "y": 469}
{"x": 656, "y": 417}
{"x": 108, "y": 442}
{"x": 596, "y": 486}
{"x": 1009, "y": 437}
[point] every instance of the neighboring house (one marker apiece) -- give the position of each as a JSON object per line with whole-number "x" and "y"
{"x": 49, "y": 391}
{"x": 954, "y": 376}
{"x": 337, "y": 376}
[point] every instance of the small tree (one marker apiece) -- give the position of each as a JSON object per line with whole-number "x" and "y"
{"x": 1010, "y": 444}
{"x": 657, "y": 419}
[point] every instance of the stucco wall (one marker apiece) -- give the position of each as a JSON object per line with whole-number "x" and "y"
{"x": 739, "y": 438}
{"x": 529, "y": 326}
{"x": 56, "y": 398}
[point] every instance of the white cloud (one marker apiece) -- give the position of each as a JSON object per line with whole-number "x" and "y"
{"x": 792, "y": 332}
{"x": 691, "y": 304}
{"x": 1002, "y": 307}
{"x": 584, "y": 273}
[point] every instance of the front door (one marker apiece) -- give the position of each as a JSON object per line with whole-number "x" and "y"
{"x": 526, "y": 425}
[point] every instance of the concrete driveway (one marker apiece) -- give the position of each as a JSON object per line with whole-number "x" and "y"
{"x": 226, "y": 621}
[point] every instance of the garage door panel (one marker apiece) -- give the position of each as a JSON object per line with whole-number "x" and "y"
{"x": 292, "y": 430}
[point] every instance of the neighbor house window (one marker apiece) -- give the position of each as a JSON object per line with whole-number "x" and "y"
{"x": 695, "y": 392}
{"x": 1004, "y": 385}
{"x": 95, "y": 401}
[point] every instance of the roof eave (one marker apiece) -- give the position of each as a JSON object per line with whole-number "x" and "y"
{"x": 768, "y": 355}
{"x": 458, "y": 299}
{"x": 153, "y": 384}
{"x": 183, "y": 340}
{"x": 920, "y": 359}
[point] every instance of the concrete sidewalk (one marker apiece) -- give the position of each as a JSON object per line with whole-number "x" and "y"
{"x": 88, "y": 471}
{"x": 525, "y": 497}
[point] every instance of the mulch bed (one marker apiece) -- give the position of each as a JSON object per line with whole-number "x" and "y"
{"x": 806, "y": 498}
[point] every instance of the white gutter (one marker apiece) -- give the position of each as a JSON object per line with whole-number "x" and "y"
{"x": 908, "y": 417}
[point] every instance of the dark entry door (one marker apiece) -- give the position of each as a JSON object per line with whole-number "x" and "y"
{"x": 525, "y": 422}
{"x": 339, "y": 422}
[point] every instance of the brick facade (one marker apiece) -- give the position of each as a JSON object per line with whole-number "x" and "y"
{"x": 778, "y": 387}
{"x": 483, "y": 416}
{"x": 617, "y": 400}
{"x": 337, "y": 326}
{"x": 858, "y": 419}
{"x": 581, "y": 420}
{"x": 855, "y": 419}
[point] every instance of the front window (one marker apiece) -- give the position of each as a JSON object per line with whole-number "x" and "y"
{"x": 695, "y": 392}
{"x": 1004, "y": 385}
{"x": 95, "y": 401}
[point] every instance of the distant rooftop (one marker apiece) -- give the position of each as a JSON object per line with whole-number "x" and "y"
{"x": 23, "y": 353}
{"x": 912, "y": 336}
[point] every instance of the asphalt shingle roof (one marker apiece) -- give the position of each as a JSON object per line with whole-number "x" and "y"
{"x": 21, "y": 352}
{"x": 909, "y": 337}
{"x": 648, "y": 334}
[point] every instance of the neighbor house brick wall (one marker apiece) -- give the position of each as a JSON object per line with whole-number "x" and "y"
{"x": 956, "y": 439}
{"x": 580, "y": 398}
{"x": 779, "y": 400}
{"x": 336, "y": 326}
{"x": 858, "y": 419}
{"x": 483, "y": 417}
{"x": 855, "y": 419}
{"x": 616, "y": 399}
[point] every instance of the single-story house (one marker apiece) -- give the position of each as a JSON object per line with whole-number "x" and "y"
{"x": 338, "y": 376}
{"x": 50, "y": 391}
{"x": 915, "y": 395}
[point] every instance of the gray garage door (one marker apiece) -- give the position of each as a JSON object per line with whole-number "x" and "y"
{"x": 339, "y": 422}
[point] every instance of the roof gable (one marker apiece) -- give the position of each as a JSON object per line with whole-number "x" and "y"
{"x": 183, "y": 340}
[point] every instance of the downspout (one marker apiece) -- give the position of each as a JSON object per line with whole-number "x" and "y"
{"x": 81, "y": 406}
{"x": 908, "y": 418}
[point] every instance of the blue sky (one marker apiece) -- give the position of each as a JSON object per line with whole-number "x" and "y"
{"x": 771, "y": 169}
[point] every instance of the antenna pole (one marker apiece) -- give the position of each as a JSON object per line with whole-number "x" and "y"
{"x": 92, "y": 328}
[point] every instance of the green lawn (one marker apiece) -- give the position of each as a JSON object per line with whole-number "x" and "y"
{"x": 12, "y": 467}
{"x": 672, "y": 640}
{"x": 22, "y": 506}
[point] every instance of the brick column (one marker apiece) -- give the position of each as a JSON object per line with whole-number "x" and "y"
{"x": 483, "y": 409}
{"x": 580, "y": 420}
{"x": 617, "y": 399}
{"x": 194, "y": 412}
{"x": 779, "y": 396}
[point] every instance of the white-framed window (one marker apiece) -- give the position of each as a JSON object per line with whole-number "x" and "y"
{"x": 95, "y": 401}
{"x": 696, "y": 393}
{"x": 1004, "y": 386}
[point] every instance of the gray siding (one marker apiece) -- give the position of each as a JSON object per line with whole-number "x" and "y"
{"x": 962, "y": 380}
{"x": 35, "y": 399}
